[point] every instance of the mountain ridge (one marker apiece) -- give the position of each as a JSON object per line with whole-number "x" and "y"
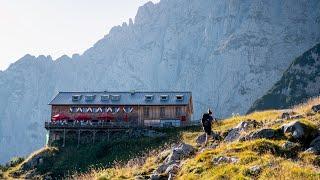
{"x": 227, "y": 53}
{"x": 298, "y": 83}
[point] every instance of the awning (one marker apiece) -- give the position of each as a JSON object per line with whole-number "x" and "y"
{"x": 59, "y": 117}
{"x": 83, "y": 117}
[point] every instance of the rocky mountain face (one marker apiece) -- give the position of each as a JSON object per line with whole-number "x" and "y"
{"x": 300, "y": 82}
{"x": 228, "y": 53}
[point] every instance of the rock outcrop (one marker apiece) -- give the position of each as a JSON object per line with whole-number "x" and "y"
{"x": 299, "y": 82}
{"x": 316, "y": 108}
{"x": 172, "y": 161}
{"x": 314, "y": 146}
{"x": 263, "y": 133}
{"x": 234, "y": 133}
{"x": 300, "y": 131}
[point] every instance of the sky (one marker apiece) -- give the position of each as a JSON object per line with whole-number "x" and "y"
{"x": 58, "y": 27}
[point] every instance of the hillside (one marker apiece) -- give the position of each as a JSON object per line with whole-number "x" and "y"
{"x": 299, "y": 82}
{"x": 228, "y": 53}
{"x": 262, "y": 145}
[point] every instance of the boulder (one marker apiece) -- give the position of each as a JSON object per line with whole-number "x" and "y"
{"x": 224, "y": 159}
{"x": 285, "y": 115}
{"x": 263, "y": 133}
{"x": 255, "y": 170}
{"x": 177, "y": 153}
{"x": 172, "y": 169}
{"x": 202, "y": 138}
{"x": 316, "y": 108}
{"x": 158, "y": 177}
{"x": 180, "y": 152}
{"x": 235, "y": 133}
{"x": 299, "y": 131}
{"x": 314, "y": 146}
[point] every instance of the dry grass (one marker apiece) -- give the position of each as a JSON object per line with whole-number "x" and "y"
{"x": 305, "y": 108}
{"x": 263, "y": 116}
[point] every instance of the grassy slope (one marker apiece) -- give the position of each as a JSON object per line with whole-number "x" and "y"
{"x": 72, "y": 160}
{"x": 139, "y": 157}
{"x": 276, "y": 162}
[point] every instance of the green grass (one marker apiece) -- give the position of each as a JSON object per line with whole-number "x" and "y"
{"x": 71, "y": 159}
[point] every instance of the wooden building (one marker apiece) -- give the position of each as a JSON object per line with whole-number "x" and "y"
{"x": 134, "y": 108}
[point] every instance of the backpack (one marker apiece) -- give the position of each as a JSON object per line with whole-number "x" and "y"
{"x": 205, "y": 120}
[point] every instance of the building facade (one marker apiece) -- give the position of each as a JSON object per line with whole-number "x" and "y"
{"x": 136, "y": 108}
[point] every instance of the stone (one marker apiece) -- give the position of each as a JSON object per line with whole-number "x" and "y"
{"x": 180, "y": 152}
{"x": 316, "y": 108}
{"x": 285, "y": 115}
{"x": 260, "y": 134}
{"x": 224, "y": 159}
{"x": 255, "y": 170}
{"x": 314, "y": 146}
{"x": 202, "y": 138}
{"x": 300, "y": 132}
{"x": 156, "y": 176}
{"x": 176, "y": 155}
{"x": 234, "y": 134}
{"x": 288, "y": 145}
{"x": 172, "y": 169}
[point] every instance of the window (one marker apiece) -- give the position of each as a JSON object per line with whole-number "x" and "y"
{"x": 89, "y": 98}
{"x": 162, "y": 112}
{"x": 179, "y": 97}
{"x": 104, "y": 97}
{"x": 148, "y": 97}
{"x": 115, "y": 97}
{"x": 98, "y": 110}
{"x": 178, "y": 111}
{"x": 146, "y": 112}
{"x": 164, "y": 97}
{"x": 76, "y": 97}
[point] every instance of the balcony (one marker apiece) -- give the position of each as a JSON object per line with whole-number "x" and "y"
{"x": 90, "y": 125}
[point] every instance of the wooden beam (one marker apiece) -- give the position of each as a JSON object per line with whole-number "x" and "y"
{"x": 64, "y": 137}
{"x": 78, "y": 137}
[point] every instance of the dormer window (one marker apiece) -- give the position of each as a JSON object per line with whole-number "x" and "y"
{"x": 179, "y": 97}
{"x": 164, "y": 97}
{"x": 104, "y": 97}
{"x": 89, "y": 98}
{"x": 115, "y": 97}
{"x": 76, "y": 98}
{"x": 148, "y": 97}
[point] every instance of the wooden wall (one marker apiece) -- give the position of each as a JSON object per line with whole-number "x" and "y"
{"x": 137, "y": 115}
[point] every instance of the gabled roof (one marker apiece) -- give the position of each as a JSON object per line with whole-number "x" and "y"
{"x": 126, "y": 98}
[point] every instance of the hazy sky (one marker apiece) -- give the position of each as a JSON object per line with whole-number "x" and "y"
{"x": 57, "y": 27}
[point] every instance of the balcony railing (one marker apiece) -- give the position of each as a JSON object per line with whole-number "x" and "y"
{"x": 90, "y": 125}
{"x": 108, "y": 125}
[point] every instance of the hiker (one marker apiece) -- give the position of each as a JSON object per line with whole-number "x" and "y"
{"x": 206, "y": 124}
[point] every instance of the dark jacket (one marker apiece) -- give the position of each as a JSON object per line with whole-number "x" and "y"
{"x": 206, "y": 120}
